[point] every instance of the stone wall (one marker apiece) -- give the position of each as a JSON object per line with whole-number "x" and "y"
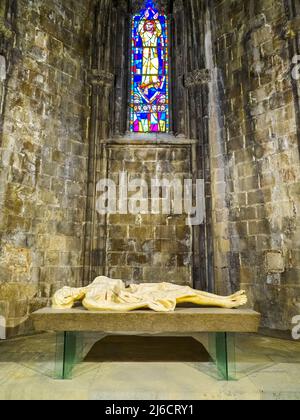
{"x": 150, "y": 247}
{"x": 255, "y": 156}
{"x": 43, "y": 145}
{"x": 62, "y": 127}
{"x": 7, "y": 41}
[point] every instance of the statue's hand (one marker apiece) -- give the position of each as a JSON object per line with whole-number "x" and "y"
{"x": 156, "y": 16}
{"x": 147, "y": 14}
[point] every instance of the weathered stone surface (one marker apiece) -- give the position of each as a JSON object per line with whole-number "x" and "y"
{"x": 181, "y": 321}
{"x": 57, "y": 119}
{"x": 17, "y": 291}
{"x": 43, "y": 145}
{"x": 15, "y": 305}
{"x": 139, "y": 246}
{"x": 254, "y": 146}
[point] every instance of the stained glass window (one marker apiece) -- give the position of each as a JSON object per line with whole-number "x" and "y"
{"x": 149, "y": 106}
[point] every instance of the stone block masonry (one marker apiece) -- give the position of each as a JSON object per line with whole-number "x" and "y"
{"x": 44, "y": 147}
{"x": 256, "y": 197}
{"x": 149, "y": 247}
{"x": 63, "y": 121}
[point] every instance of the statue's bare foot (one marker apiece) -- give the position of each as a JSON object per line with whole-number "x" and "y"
{"x": 236, "y": 302}
{"x": 235, "y": 295}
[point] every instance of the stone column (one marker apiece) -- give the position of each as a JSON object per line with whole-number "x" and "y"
{"x": 121, "y": 68}
{"x": 7, "y": 39}
{"x": 196, "y": 81}
{"x": 102, "y": 80}
{"x": 178, "y": 58}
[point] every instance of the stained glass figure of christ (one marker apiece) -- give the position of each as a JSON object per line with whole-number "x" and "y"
{"x": 149, "y": 107}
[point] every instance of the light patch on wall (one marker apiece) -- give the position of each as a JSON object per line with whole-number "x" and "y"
{"x": 2, "y": 68}
{"x": 274, "y": 262}
{"x": 16, "y": 259}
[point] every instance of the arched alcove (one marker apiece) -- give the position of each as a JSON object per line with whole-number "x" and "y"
{"x": 234, "y": 122}
{"x": 136, "y": 248}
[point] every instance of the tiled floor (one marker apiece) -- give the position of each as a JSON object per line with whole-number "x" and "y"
{"x": 267, "y": 369}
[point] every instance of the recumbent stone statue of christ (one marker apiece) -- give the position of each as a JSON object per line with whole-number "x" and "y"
{"x": 106, "y": 294}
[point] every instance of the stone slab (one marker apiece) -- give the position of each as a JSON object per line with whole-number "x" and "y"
{"x": 182, "y": 321}
{"x": 150, "y": 139}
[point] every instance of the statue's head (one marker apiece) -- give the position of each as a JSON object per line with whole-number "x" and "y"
{"x": 150, "y": 26}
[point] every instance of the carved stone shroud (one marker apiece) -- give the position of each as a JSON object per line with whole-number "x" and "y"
{"x": 108, "y": 294}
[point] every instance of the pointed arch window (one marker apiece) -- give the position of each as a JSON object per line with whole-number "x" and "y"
{"x": 149, "y": 98}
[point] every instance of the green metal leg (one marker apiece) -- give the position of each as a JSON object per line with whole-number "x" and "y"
{"x": 69, "y": 350}
{"x": 222, "y": 351}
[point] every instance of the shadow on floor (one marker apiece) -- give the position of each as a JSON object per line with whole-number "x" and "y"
{"x": 147, "y": 349}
